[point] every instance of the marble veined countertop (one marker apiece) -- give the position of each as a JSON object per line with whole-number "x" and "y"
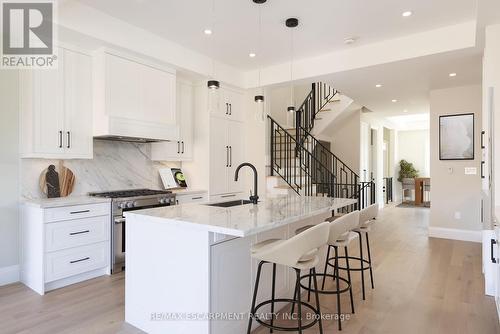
{"x": 46, "y": 203}
{"x": 243, "y": 220}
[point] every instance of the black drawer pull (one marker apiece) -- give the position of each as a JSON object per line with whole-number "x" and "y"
{"x": 224, "y": 196}
{"x": 493, "y": 242}
{"x": 84, "y": 259}
{"x": 77, "y": 212}
{"x": 197, "y": 197}
{"x": 81, "y": 232}
{"x": 482, "y": 139}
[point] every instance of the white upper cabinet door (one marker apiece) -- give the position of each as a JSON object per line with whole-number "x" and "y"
{"x": 166, "y": 151}
{"x": 157, "y": 96}
{"x": 234, "y": 99}
{"x": 78, "y": 141}
{"x": 47, "y": 110}
{"x": 236, "y": 155}
{"x": 185, "y": 101}
{"x": 123, "y": 91}
{"x": 219, "y": 156}
{"x": 217, "y": 104}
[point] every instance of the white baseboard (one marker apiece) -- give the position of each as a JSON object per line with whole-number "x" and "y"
{"x": 9, "y": 275}
{"x": 455, "y": 234}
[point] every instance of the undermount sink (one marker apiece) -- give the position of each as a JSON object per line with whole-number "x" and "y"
{"x": 231, "y": 203}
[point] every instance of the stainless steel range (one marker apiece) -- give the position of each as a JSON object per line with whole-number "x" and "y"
{"x": 129, "y": 200}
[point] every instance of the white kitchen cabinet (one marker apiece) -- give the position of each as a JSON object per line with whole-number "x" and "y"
{"x": 230, "y": 283}
{"x": 191, "y": 197}
{"x": 226, "y": 103}
{"x": 56, "y": 109}
{"x": 226, "y": 153}
{"x": 133, "y": 98}
{"x": 64, "y": 245}
{"x": 182, "y": 149}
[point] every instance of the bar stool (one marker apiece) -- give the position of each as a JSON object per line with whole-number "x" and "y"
{"x": 340, "y": 235}
{"x": 299, "y": 253}
{"x": 367, "y": 216}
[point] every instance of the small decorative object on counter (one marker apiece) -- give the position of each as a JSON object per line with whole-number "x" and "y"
{"x": 52, "y": 182}
{"x": 57, "y": 183}
{"x": 173, "y": 178}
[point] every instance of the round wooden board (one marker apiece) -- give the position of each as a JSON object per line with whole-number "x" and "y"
{"x": 66, "y": 180}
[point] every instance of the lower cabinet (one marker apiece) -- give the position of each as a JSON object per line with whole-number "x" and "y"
{"x": 64, "y": 245}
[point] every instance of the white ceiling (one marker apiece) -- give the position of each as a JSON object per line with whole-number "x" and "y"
{"x": 324, "y": 24}
{"x": 409, "y": 82}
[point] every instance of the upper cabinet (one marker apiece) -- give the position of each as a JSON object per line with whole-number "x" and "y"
{"x": 133, "y": 98}
{"x": 56, "y": 109}
{"x": 226, "y": 103}
{"x": 181, "y": 149}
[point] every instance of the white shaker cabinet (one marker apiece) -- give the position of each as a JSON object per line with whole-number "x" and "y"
{"x": 133, "y": 98}
{"x": 181, "y": 149}
{"x": 226, "y": 153}
{"x": 56, "y": 109}
{"x": 227, "y": 103}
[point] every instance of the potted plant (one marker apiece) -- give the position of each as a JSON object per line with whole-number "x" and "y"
{"x": 406, "y": 171}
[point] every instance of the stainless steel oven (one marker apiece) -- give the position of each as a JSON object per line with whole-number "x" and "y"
{"x": 130, "y": 200}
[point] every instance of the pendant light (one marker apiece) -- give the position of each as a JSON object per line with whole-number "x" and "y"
{"x": 259, "y": 98}
{"x": 291, "y": 23}
{"x": 212, "y": 83}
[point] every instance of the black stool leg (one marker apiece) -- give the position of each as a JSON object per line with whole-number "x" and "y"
{"x": 294, "y": 297}
{"x": 362, "y": 264}
{"x": 309, "y": 291}
{"x": 326, "y": 268}
{"x": 299, "y": 306}
{"x": 252, "y": 310}
{"x": 369, "y": 259}
{"x": 313, "y": 270}
{"x": 349, "y": 278}
{"x": 272, "y": 297}
{"x": 339, "y": 312}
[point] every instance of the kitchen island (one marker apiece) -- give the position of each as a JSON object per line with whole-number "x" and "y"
{"x": 189, "y": 268}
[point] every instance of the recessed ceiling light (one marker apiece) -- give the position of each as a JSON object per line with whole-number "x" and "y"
{"x": 452, "y": 74}
{"x": 207, "y": 31}
{"x": 405, "y": 110}
{"x": 394, "y": 101}
{"x": 407, "y": 13}
{"x": 378, "y": 85}
{"x": 350, "y": 40}
{"x": 252, "y": 55}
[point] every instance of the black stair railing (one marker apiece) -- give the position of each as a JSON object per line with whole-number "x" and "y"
{"x": 299, "y": 168}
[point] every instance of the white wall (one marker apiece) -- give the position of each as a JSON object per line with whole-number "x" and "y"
{"x": 453, "y": 192}
{"x": 9, "y": 171}
{"x": 413, "y": 146}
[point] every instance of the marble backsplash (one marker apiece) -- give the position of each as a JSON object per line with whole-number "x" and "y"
{"x": 116, "y": 166}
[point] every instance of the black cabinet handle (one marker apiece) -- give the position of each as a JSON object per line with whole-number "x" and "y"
{"x": 227, "y": 108}
{"x": 60, "y": 139}
{"x": 225, "y": 196}
{"x": 69, "y": 138}
{"x": 178, "y": 147}
{"x": 230, "y": 156}
{"x": 227, "y": 156}
{"x": 76, "y": 212}
{"x": 80, "y": 260}
{"x": 81, "y": 232}
{"x": 193, "y": 198}
{"x": 230, "y": 109}
{"x": 482, "y": 169}
{"x": 482, "y": 139}
{"x": 182, "y": 147}
{"x": 493, "y": 242}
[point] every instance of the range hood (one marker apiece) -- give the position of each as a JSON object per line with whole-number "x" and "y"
{"x": 129, "y": 139}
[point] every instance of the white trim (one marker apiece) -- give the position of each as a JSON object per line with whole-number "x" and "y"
{"x": 9, "y": 275}
{"x": 455, "y": 234}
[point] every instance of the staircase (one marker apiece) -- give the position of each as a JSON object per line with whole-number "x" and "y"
{"x": 300, "y": 163}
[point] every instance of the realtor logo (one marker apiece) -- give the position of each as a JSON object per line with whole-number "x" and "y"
{"x": 28, "y": 34}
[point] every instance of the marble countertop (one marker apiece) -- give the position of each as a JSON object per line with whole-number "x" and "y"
{"x": 244, "y": 220}
{"x": 46, "y": 203}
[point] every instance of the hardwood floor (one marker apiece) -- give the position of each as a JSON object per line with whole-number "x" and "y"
{"x": 422, "y": 285}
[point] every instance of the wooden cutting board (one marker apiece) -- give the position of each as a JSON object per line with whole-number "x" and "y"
{"x": 66, "y": 180}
